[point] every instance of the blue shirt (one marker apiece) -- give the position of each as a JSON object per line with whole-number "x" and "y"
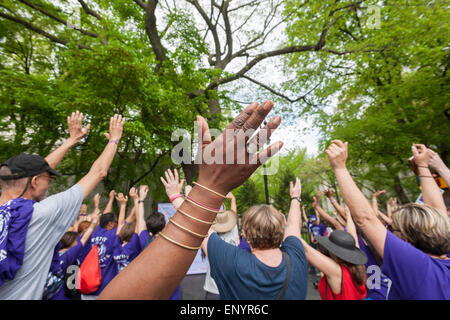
{"x": 239, "y": 275}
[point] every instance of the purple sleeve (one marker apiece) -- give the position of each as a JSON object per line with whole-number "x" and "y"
{"x": 70, "y": 256}
{"x": 133, "y": 247}
{"x": 405, "y": 265}
{"x": 144, "y": 236}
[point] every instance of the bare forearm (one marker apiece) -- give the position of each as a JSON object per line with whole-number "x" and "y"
{"x": 361, "y": 210}
{"x": 121, "y": 218}
{"x": 177, "y": 202}
{"x": 444, "y": 172}
{"x": 325, "y": 216}
{"x": 109, "y": 206}
{"x": 135, "y": 282}
{"x": 431, "y": 194}
{"x": 99, "y": 169}
{"x": 56, "y": 156}
{"x": 87, "y": 234}
{"x": 140, "y": 220}
{"x": 340, "y": 210}
{"x": 294, "y": 220}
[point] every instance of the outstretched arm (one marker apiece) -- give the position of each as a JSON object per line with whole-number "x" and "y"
{"x": 173, "y": 187}
{"x": 294, "y": 220}
{"x": 437, "y": 164}
{"x": 140, "y": 220}
{"x": 100, "y": 167}
{"x": 76, "y": 133}
{"x": 176, "y": 247}
{"x": 339, "y": 209}
{"x": 95, "y": 220}
{"x": 360, "y": 209}
{"x": 123, "y": 207}
{"x": 431, "y": 194}
{"x": 109, "y": 205}
{"x": 325, "y": 216}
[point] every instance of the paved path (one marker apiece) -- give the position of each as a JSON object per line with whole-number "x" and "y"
{"x": 192, "y": 287}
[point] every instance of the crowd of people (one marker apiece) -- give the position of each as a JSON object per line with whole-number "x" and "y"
{"x": 359, "y": 252}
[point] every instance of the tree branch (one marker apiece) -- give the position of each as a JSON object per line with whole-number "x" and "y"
{"x": 302, "y": 97}
{"x": 152, "y": 32}
{"x": 32, "y": 27}
{"x": 90, "y": 11}
{"x": 56, "y": 18}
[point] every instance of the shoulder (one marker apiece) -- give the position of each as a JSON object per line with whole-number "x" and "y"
{"x": 293, "y": 246}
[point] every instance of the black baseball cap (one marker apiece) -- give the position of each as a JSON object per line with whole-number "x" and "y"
{"x": 27, "y": 165}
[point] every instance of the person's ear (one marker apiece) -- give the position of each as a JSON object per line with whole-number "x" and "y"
{"x": 34, "y": 182}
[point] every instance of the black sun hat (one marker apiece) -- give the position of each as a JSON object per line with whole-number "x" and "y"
{"x": 27, "y": 165}
{"x": 342, "y": 244}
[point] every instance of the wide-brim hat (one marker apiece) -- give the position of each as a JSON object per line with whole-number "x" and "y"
{"x": 342, "y": 245}
{"x": 27, "y": 165}
{"x": 224, "y": 221}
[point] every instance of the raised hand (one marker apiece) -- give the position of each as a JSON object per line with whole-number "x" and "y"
{"x": 76, "y": 131}
{"x": 378, "y": 193}
{"x": 226, "y": 162}
{"x": 95, "y": 216}
{"x": 337, "y": 154}
{"x": 97, "y": 200}
{"x": 121, "y": 198}
{"x": 112, "y": 194}
{"x": 421, "y": 155}
{"x": 133, "y": 193}
{"x": 329, "y": 193}
{"x": 143, "y": 190}
{"x": 436, "y": 162}
{"x": 295, "y": 190}
{"x": 116, "y": 125}
{"x": 172, "y": 184}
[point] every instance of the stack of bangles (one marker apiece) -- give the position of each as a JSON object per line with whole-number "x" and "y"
{"x": 198, "y": 204}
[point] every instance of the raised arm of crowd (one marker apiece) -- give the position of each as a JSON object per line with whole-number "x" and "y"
{"x": 363, "y": 254}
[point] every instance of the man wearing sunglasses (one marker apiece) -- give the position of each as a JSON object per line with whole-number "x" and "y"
{"x": 32, "y": 224}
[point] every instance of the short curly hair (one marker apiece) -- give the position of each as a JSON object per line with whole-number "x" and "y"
{"x": 263, "y": 227}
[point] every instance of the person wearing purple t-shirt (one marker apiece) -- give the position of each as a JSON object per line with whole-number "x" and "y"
{"x": 66, "y": 253}
{"x": 415, "y": 252}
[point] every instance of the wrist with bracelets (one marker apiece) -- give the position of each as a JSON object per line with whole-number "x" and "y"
{"x": 194, "y": 219}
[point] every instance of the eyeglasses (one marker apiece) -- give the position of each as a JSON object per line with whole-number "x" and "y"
{"x": 51, "y": 179}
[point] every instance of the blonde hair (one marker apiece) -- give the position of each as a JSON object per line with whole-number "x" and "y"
{"x": 263, "y": 226}
{"x": 423, "y": 226}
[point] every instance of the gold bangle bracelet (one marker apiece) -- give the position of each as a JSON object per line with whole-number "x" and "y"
{"x": 187, "y": 230}
{"x": 177, "y": 243}
{"x": 221, "y": 195}
{"x": 194, "y": 218}
{"x": 202, "y": 207}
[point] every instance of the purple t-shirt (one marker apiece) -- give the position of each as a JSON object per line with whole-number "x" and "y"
{"x": 377, "y": 284}
{"x": 244, "y": 244}
{"x": 59, "y": 265}
{"x": 124, "y": 254}
{"x": 317, "y": 229}
{"x": 416, "y": 275}
{"x": 105, "y": 240}
{"x": 144, "y": 237}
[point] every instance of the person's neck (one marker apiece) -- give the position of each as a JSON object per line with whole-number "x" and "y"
{"x": 442, "y": 257}
{"x": 8, "y": 195}
{"x": 270, "y": 257}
